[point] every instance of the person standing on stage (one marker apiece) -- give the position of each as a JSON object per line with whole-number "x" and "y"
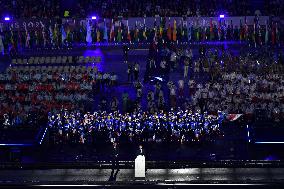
{"x": 115, "y": 153}
{"x": 140, "y": 151}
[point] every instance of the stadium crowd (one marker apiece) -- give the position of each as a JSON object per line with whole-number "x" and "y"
{"x": 213, "y": 80}
{"x": 40, "y": 89}
{"x": 241, "y": 84}
{"x": 235, "y": 85}
{"x": 132, "y": 8}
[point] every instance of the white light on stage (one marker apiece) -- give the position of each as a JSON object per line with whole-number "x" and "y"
{"x": 159, "y": 78}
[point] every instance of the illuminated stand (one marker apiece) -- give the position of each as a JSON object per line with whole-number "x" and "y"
{"x": 140, "y": 167}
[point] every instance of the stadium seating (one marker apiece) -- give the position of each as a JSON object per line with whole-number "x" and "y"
{"x": 56, "y": 60}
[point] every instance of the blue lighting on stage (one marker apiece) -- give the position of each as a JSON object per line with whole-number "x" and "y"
{"x": 267, "y": 142}
{"x": 94, "y": 18}
{"x": 43, "y": 136}
{"x": 96, "y": 53}
{"x": 222, "y": 16}
{"x": 7, "y": 18}
{"x": 16, "y": 144}
{"x": 271, "y": 158}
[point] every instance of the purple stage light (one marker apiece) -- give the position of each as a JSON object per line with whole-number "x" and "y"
{"x": 222, "y": 16}
{"x": 94, "y": 18}
{"x": 7, "y": 18}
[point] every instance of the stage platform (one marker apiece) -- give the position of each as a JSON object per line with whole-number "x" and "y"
{"x": 153, "y": 176}
{"x": 149, "y": 164}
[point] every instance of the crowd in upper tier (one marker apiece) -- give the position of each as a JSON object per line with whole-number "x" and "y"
{"x": 40, "y": 89}
{"x": 133, "y": 8}
{"x": 59, "y": 36}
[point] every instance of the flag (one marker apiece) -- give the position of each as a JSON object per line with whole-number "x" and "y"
{"x": 182, "y": 31}
{"x": 254, "y": 32}
{"x": 189, "y": 32}
{"x": 259, "y": 34}
{"x": 36, "y": 38}
{"x": 50, "y": 35}
{"x": 277, "y": 32}
{"x": 246, "y": 29}
{"x": 144, "y": 32}
{"x": 169, "y": 32}
{"x": 27, "y": 38}
{"x": 161, "y": 29}
{"x": 179, "y": 30}
{"x": 266, "y": 33}
{"x": 204, "y": 29}
{"x": 1, "y": 42}
{"x": 232, "y": 30}
{"x": 68, "y": 34}
{"x": 273, "y": 34}
{"x": 197, "y": 34}
{"x": 136, "y": 32}
{"x": 55, "y": 34}
{"x": 105, "y": 32}
{"x": 98, "y": 35}
{"x": 241, "y": 30}
{"x": 63, "y": 33}
{"x": 111, "y": 33}
{"x": 233, "y": 117}
{"x": 44, "y": 37}
{"x": 225, "y": 29}
{"x": 12, "y": 37}
{"x": 219, "y": 30}
{"x": 119, "y": 33}
{"x": 211, "y": 29}
{"x": 19, "y": 40}
{"x": 175, "y": 31}
{"x": 128, "y": 34}
{"x": 89, "y": 32}
{"x": 185, "y": 32}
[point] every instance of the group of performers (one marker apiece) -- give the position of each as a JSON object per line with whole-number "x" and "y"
{"x": 173, "y": 126}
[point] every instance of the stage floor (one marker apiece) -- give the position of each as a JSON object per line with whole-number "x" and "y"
{"x": 102, "y": 176}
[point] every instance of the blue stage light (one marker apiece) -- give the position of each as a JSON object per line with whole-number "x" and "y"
{"x": 7, "y": 18}
{"x": 94, "y": 18}
{"x": 14, "y": 144}
{"x": 222, "y": 16}
{"x": 268, "y": 142}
